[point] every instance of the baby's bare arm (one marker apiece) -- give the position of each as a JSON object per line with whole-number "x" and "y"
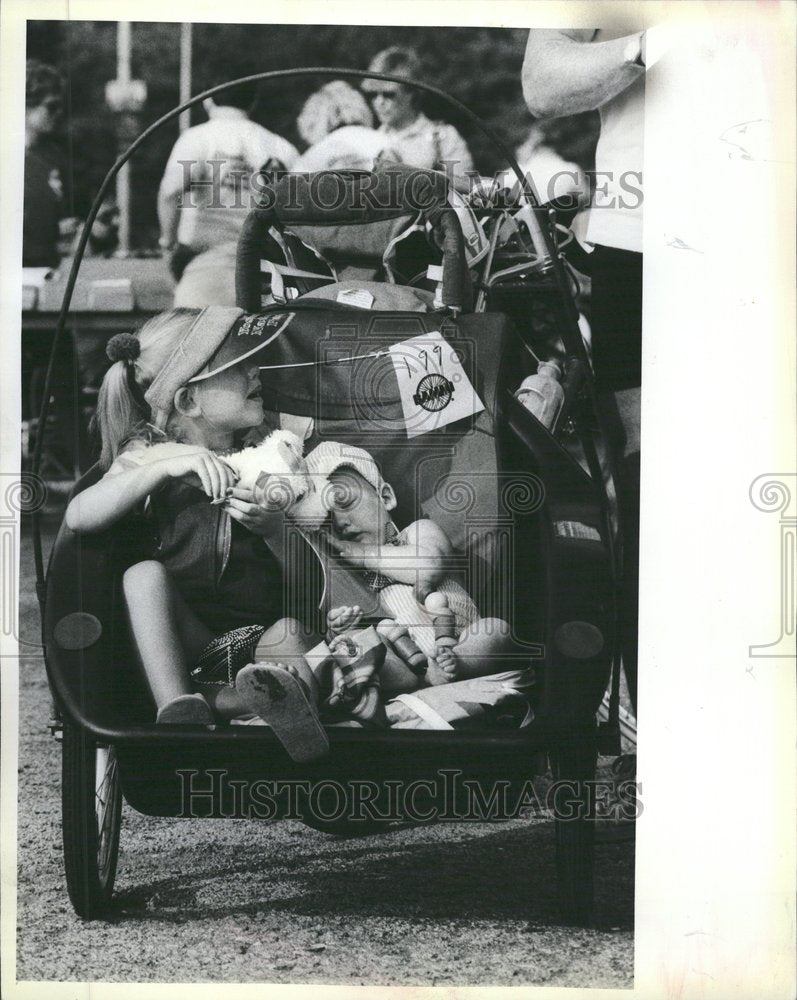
{"x": 419, "y": 560}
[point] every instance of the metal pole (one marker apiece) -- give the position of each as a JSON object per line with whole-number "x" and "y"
{"x": 123, "y": 177}
{"x": 186, "y": 39}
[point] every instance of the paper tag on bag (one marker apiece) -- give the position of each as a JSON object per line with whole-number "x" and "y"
{"x": 434, "y": 388}
{"x": 360, "y": 297}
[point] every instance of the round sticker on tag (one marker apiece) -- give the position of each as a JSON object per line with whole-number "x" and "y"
{"x": 434, "y": 392}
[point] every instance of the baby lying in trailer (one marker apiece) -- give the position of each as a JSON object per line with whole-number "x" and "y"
{"x": 431, "y": 630}
{"x": 407, "y": 569}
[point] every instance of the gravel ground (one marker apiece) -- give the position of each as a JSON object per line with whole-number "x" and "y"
{"x": 248, "y": 901}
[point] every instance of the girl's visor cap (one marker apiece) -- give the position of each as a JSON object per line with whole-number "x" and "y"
{"x": 219, "y": 338}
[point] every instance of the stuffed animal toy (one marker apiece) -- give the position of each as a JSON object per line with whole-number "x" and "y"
{"x": 274, "y": 470}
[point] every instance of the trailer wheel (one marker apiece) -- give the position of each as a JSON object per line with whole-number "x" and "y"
{"x": 91, "y": 811}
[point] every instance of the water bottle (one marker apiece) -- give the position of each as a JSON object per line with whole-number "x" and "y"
{"x": 542, "y": 394}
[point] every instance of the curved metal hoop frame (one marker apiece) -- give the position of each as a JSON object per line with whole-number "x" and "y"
{"x": 571, "y": 334}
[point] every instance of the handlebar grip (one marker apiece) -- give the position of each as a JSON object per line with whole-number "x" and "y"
{"x": 340, "y": 197}
{"x": 247, "y": 260}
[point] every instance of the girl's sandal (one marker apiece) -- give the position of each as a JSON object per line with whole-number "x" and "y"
{"x": 282, "y": 700}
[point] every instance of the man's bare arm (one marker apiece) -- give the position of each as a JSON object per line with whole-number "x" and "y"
{"x": 565, "y": 73}
{"x": 168, "y": 217}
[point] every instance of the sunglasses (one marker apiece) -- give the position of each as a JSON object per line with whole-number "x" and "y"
{"x": 389, "y": 95}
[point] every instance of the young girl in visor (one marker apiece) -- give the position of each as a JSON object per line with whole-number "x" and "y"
{"x": 191, "y": 376}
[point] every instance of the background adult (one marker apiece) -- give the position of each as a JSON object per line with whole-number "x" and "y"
{"x": 206, "y": 193}
{"x": 43, "y": 210}
{"x": 575, "y": 70}
{"x": 44, "y": 190}
{"x": 417, "y": 140}
{"x": 337, "y": 124}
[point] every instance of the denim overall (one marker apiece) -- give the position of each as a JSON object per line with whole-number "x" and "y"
{"x": 226, "y": 574}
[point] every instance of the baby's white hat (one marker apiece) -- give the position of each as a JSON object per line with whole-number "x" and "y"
{"x": 322, "y": 461}
{"x": 329, "y": 456}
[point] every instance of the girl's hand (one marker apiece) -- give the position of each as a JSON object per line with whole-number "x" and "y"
{"x": 215, "y": 476}
{"x": 241, "y": 507}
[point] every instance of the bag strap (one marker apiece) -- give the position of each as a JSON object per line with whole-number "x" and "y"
{"x": 279, "y": 292}
{"x": 424, "y": 711}
{"x": 391, "y": 250}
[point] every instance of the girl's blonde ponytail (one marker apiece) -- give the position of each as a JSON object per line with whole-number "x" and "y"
{"x": 119, "y": 416}
{"x": 122, "y": 412}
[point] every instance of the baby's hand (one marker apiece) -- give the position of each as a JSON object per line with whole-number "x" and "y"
{"x": 215, "y": 476}
{"x": 343, "y": 618}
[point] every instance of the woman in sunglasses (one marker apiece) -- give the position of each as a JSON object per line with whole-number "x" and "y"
{"x": 416, "y": 139}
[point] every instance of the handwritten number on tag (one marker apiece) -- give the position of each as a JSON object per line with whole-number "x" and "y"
{"x": 423, "y": 356}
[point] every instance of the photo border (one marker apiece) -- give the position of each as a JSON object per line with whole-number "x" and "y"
{"x": 714, "y": 909}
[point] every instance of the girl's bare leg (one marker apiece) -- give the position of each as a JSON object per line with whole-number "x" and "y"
{"x": 395, "y": 676}
{"x": 286, "y": 642}
{"x": 168, "y": 635}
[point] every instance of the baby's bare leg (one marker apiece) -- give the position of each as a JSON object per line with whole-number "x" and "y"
{"x": 484, "y": 648}
{"x": 442, "y": 666}
{"x": 397, "y": 677}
